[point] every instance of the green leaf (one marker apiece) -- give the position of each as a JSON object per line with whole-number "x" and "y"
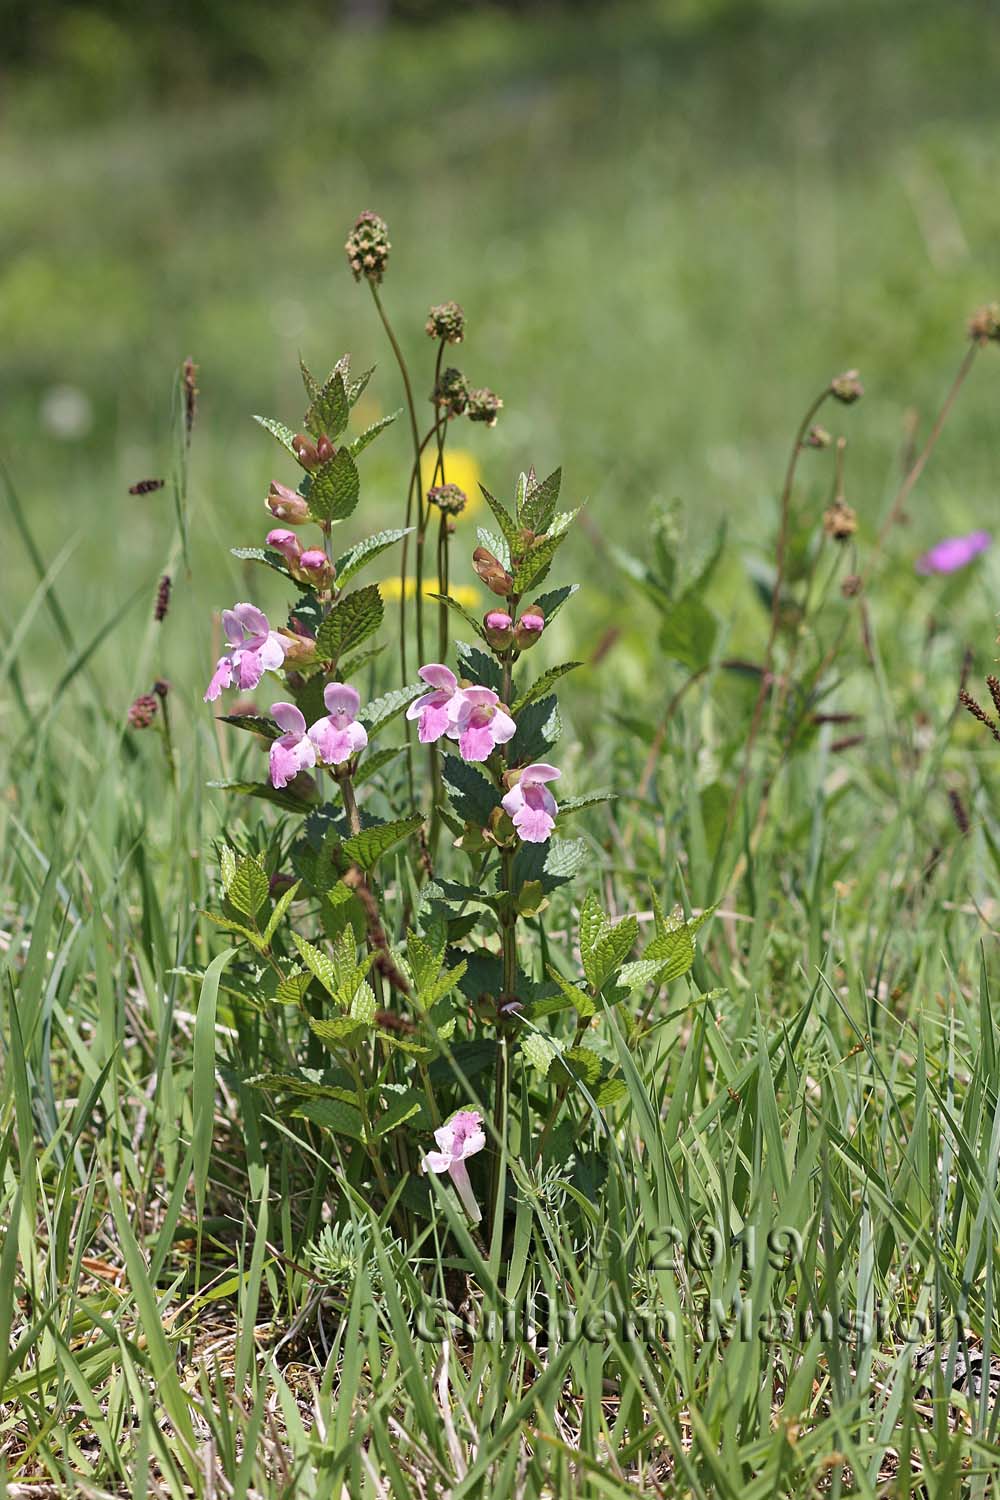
{"x": 369, "y": 435}
{"x": 479, "y": 667}
{"x": 353, "y": 620}
{"x": 255, "y": 724}
{"x": 291, "y": 990}
{"x": 471, "y": 795}
{"x": 333, "y": 1115}
{"x": 495, "y": 543}
{"x": 265, "y": 555}
{"x": 307, "y": 1083}
{"x": 504, "y": 520}
{"x": 687, "y": 632}
{"x": 539, "y": 506}
{"x": 229, "y": 925}
{"x": 538, "y": 727}
{"x": 329, "y": 411}
{"x": 364, "y": 552}
{"x": 582, "y": 1003}
{"x": 340, "y": 1031}
{"x": 227, "y": 863}
{"x": 551, "y": 603}
{"x": 610, "y": 1091}
{"x": 460, "y": 609}
{"x": 565, "y": 859}
{"x": 593, "y": 924}
{"x": 539, "y": 1050}
{"x": 402, "y": 1108}
{"x": 356, "y": 388}
{"x": 335, "y": 488}
{"x": 372, "y": 764}
{"x": 319, "y": 963}
{"x": 541, "y": 685}
{"x": 607, "y": 955}
{"x": 589, "y": 799}
{"x": 536, "y": 561}
{"x": 281, "y": 906}
{"x": 282, "y": 797}
{"x": 673, "y": 946}
{"x": 248, "y": 890}
{"x": 309, "y": 380}
{"x": 284, "y": 435}
{"x": 583, "y": 1065}
{"x": 367, "y": 847}
{"x": 380, "y": 711}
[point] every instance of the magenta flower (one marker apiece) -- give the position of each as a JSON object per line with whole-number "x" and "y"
{"x": 315, "y": 567}
{"x": 531, "y": 805}
{"x": 254, "y": 648}
{"x": 294, "y": 751}
{"x": 954, "y": 552}
{"x": 459, "y": 1138}
{"x": 288, "y": 544}
{"x": 339, "y": 736}
{"x": 434, "y": 709}
{"x": 481, "y": 723}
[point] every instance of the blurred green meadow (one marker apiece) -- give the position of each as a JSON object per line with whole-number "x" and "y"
{"x": 668, "y": 225}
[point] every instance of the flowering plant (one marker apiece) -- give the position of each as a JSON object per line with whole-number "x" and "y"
{"x": 394, "y": 995}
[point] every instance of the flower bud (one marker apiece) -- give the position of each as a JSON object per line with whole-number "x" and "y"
{"x": 985, "y": 323}
{"x": 840, "y": 521}
{"x": 451, "y": 393}
{"x": 817, "y": 437}
{"x": 499, "y": 628}
{"x": 143, "y": 711}
{"x": 316, "y": 568}
{"x": 325, "y": 449}
{"x": 484, "y": 406}
{"x": 368, "y": 247}
{"x": 288, "y": 544}
{"x": 847, "y": 387}
{"x": 161, "y": 687}
{"x": 851, "y": 586}
{"x": 529, "y": 628}
{"x": 300, "y": 648}
{"x": 287, "y": 505}
{"x": 162, "y": 604}
{"x": 305, "y": 451}
{"x": 448, "y": 498}
{"x": 446, "y": 321}
{"x": 492, "y": 572}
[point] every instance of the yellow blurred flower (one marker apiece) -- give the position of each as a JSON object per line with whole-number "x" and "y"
{"x": 462, "y": 593}
{"x": 461, "y": 468}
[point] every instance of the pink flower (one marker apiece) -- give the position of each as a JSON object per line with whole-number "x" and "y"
{"x": 531, "y": 805}
{"x": 434, "y": 709}
{"x": 315, "y": 567}
{"x": 339, "y": 736}
{"x": 288, "y": 544}
{"x": 459, "y": 1138}
{"x": 254, "y": 648}
{"x": 499, "y": 628}
{"x": 287, "y": 505}
{"x": 294, "y": 751}
{"x": 529, "y": 628}
{"x": 954, "y": 552}
{"x": 481, "y": 723}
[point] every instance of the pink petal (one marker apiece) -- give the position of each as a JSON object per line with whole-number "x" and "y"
{"x": 271, "y": 651}
{"x": 222, "y": 677}
{"x": 249, "y": 669}
{"x": 288, "y": 756}
{"x": 513, "y": 802}
{"x": 503, "y": 727}
{"x": 435, "y": 1161}
{"x": 439, "y": 676}
{"x": 289, "y": 717}
{"x": 540, "y": 771}
{"x": 358, "y": 736}
{"x": 341, "y": 698}
{"x": 334, "y": 745}
{"x": 463, "y": 1187}
{"x": 533, "y": 824}
{"x": 477, "y": 697}
{"x": 253, "y": 620}
{"x": 476, "y": 742}
{"x": 468, "y": 1135}
{"x": 434, "y": 722}
{"x": 232, "y": 627}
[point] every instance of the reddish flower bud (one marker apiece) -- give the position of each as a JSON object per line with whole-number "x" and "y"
{"x": 316, "y": 568}
{"x": 529, "y": 628}
{"x": 287, "y": 505}
{"x": 300, "y": 648}
{"x": 499, "y": 628}
{"x": 492, "y": 572}
{"x": 143, "y": 711}
{"x": 325, "y": 449}
{"x": 305, "y": 451}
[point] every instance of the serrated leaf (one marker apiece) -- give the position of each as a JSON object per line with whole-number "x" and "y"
{"x": 329, "y": 973}
{"x": 636, "y": 975}
{"x": 402, "y": 1108}
{"x": 565, "y": 859}
{"x": 312, "y": 385}
{"x": 281, "y": 906}
{"x": 593, "y": 924}
{"x": 541, "y": 685}
{"x": 536, "y": 561}
{"x": 471, "y": 795}
{"x": 335, "y": 488}
{"x": 582, "y": 1064}
{"x": 292, "y": 988}
{"x": 396, "y": 1043}
{"x": 248, "y": 890}
{"x": 284, "y": 435}
{"x": 333, "y": 1115}
{"x": 367, "y": 847}
{"x": 265, "y": 555}
{"x": 227, "y": 864}
{"x": 372, "y": 764}
{"x": 607, "y": 955}
{"x": 551, "y": 603}
{"x": 673, "y": 947}
{"x": 436, "y": 989}
{"x": 539, "y": 1050}
{"x": 424, "y": 955}
{"x": 253, "y": 723}
{"x": 369, "y": 435}
{"x": 380, "y": 711}
{"x": 508, "y": 525}
{"x": 609, "y": 1092}
{"x": 363, "y": 1005}
{"x": 339, "y": 1031}
{"x": 538, "y": 727}
{"x": 460, "y": 609}
{"x": 539, "y": 505}
{"x": 351, "y": 621}
{"x": 229, "y": 925}
{"x": 495, "y": 543}
{"x": 356, "y": 388}
{"x": 479, "y": 667}
{"x": 306, "y": 1083}
{"x": 364, "y": 552}
{"x": 589, "y": 799}
{"x": 329, "y": 411}
{"x": 581, "y": 1002}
